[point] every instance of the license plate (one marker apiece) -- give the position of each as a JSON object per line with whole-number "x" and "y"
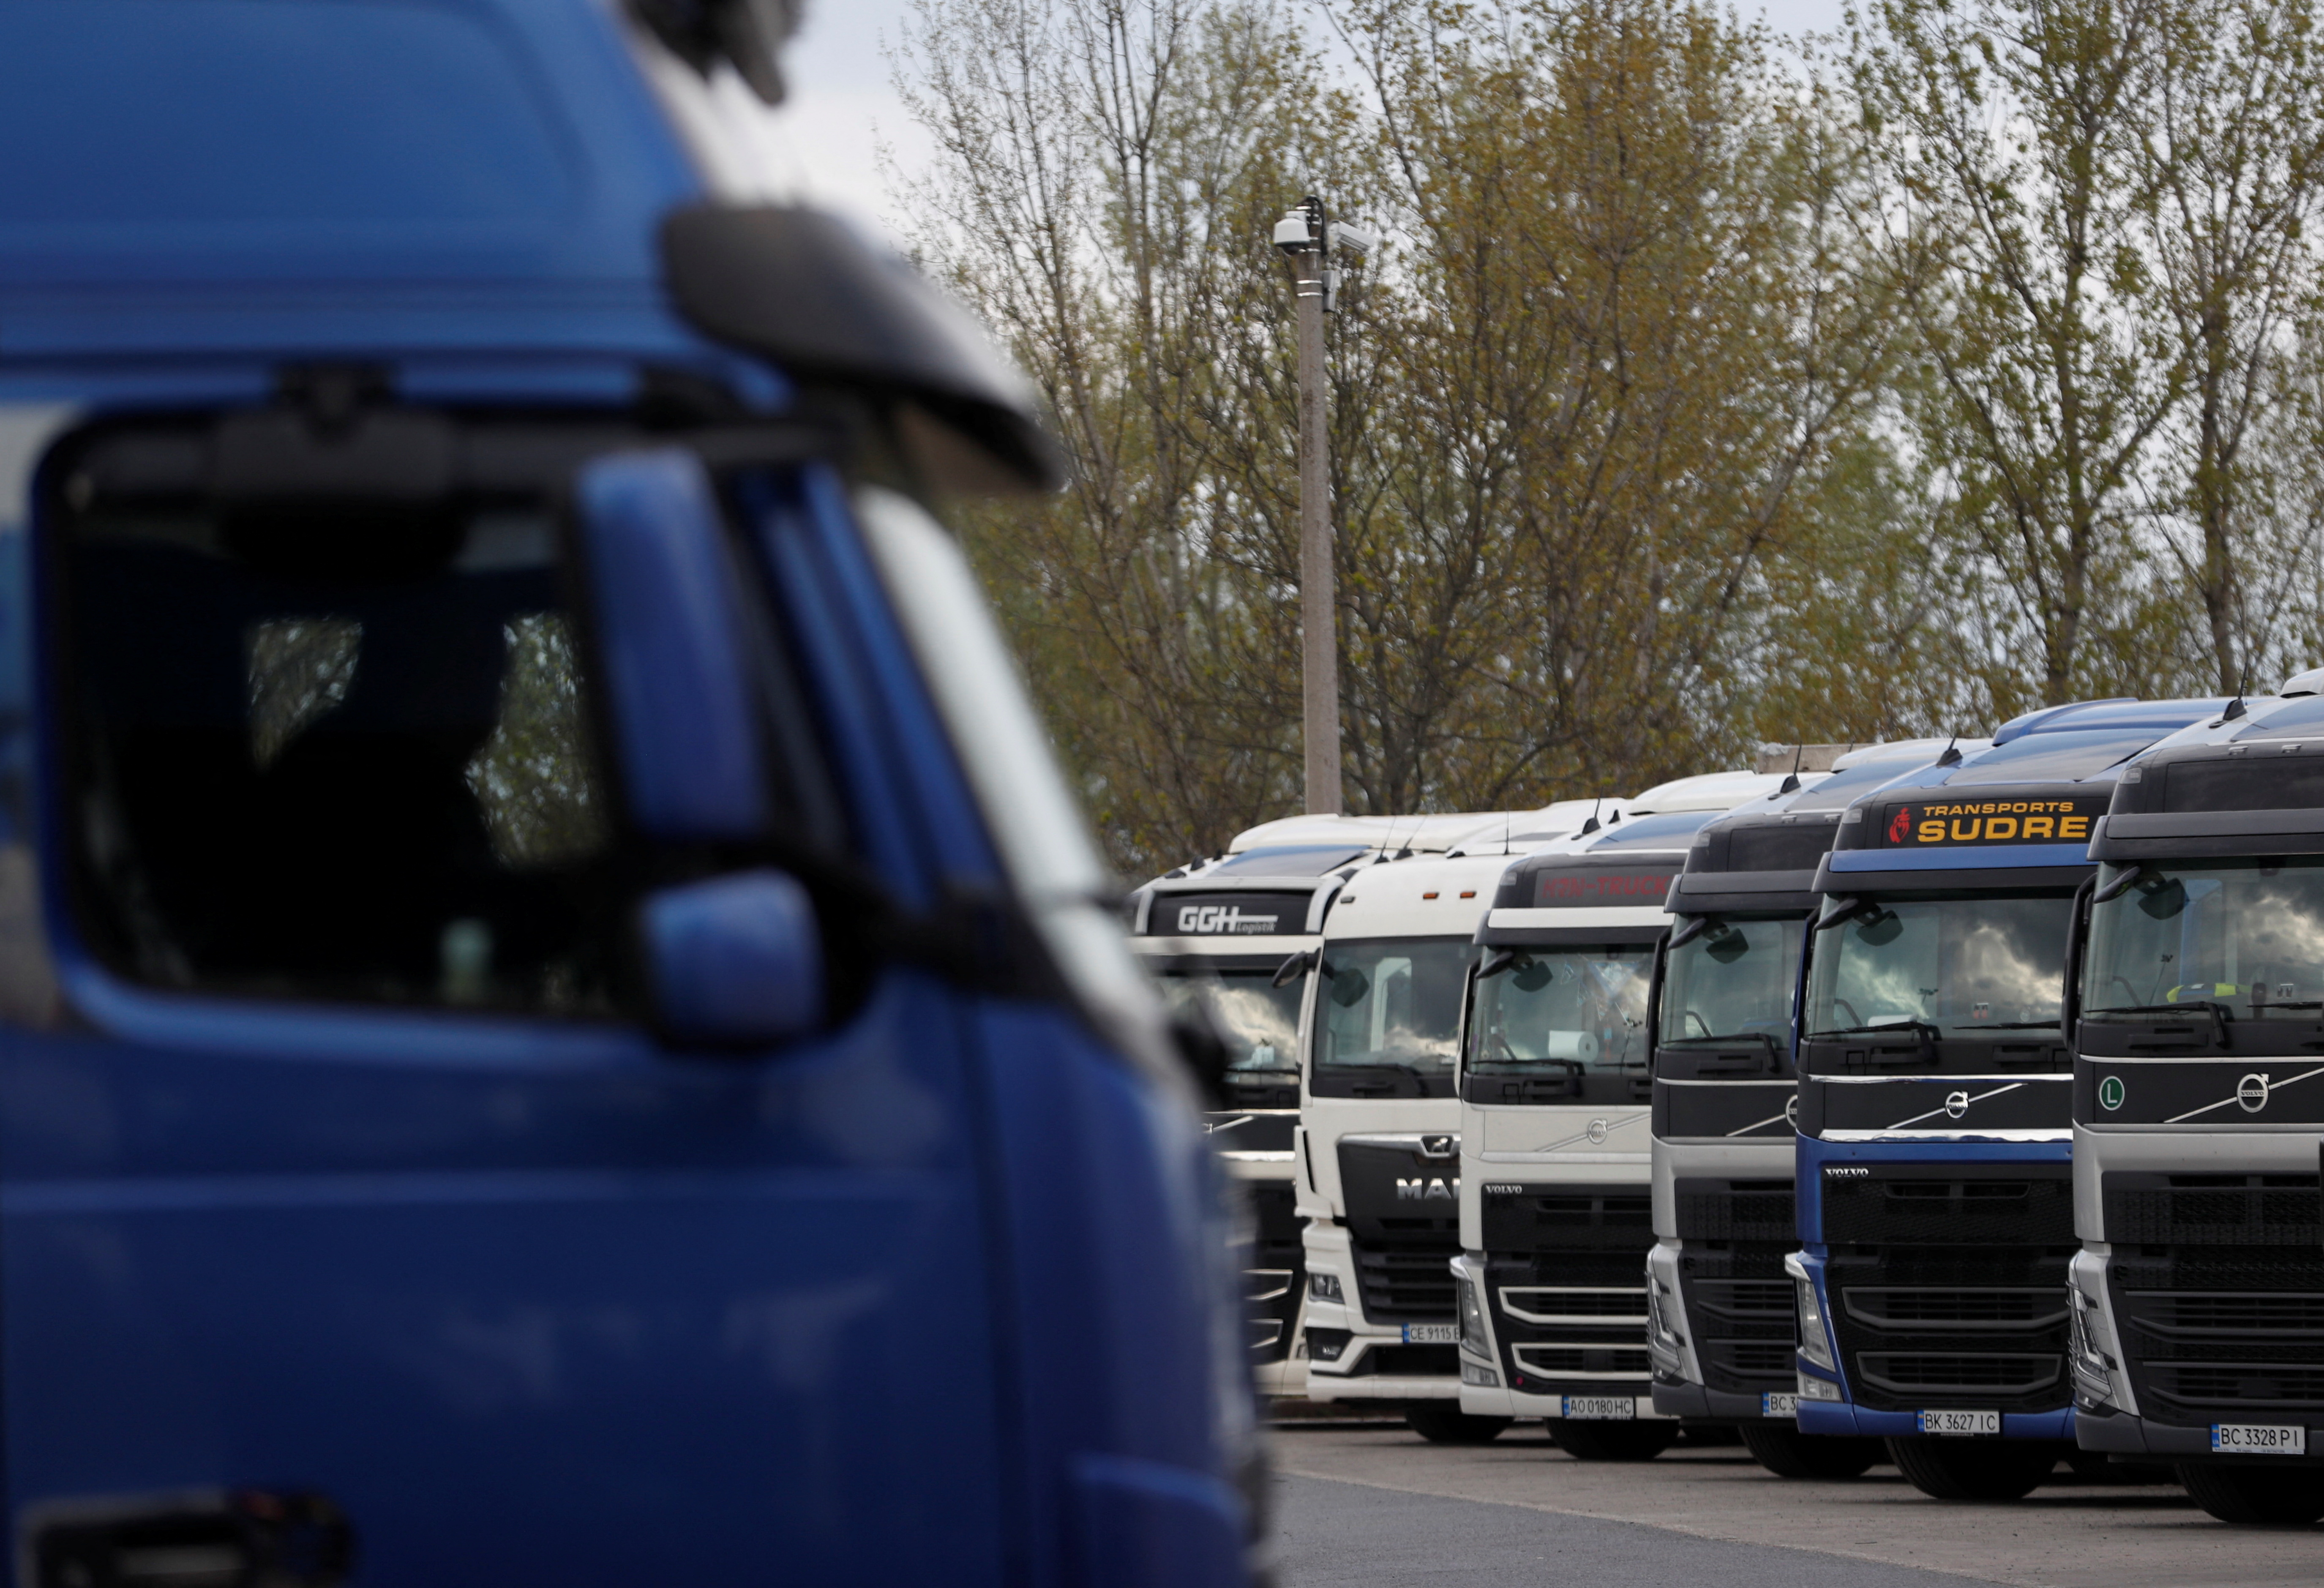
{"x": 1601, "y": 1408}
{"x": 2257, "y": 1439}
{"x": 1432, "y": 1334}
{"x": 1961, "y": 1422}
{"x": 1779, "y": 1406}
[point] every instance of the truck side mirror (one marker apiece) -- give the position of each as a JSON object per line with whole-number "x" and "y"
{"x": 666, "y": 615}
{"x": 735, "y": 961}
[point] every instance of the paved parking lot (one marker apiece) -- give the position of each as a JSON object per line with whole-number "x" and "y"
{"x": 1373, "y": 1504}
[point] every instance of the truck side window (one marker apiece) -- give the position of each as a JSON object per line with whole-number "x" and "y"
{"x": 325, "y": 759}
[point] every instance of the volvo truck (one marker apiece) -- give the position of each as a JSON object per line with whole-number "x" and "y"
{"x": 1215, "y": 935}
{"x": 1934, "y": 1177}
{"x": 1726, "y": 990}
{"x": 557, "y": 1022}
{"x": 2198, "y": 1292}
{"x": 1553, "y": 1086}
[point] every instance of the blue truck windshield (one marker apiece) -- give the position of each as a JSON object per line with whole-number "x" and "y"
{"x": 1559, "y": 1010}
{"x": 1961, "y": 966}
{"x": 1392, "y": 1005}
{"x": 2243, "y": 933}
{"x": 1734, "y": 981}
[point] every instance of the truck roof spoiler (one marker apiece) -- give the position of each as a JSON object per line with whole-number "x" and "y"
{"x": 832, "y": 309}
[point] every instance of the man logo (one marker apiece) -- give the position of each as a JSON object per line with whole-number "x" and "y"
{"x": 2110, "y": 1092}
{"x": 1428, "y": 1189}
{"x": 1956, "y": 1104}
{"x": 1439, "y": 1145}
{"x": 2251, "y": 1093}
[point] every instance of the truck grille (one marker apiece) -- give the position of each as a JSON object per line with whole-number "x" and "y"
{"x": 1566, "y": 1268}
{"x": 1739, "y": 1312}
{"x": 2218, "y": 1293}
{"x": 1405, "y": 1285}
{"x": 1949, "y": 1285}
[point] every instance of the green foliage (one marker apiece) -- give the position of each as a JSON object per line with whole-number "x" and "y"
{"x": 1700, "y": 395}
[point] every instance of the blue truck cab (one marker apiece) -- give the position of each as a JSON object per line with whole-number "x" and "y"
{"x": 1934, "y": 1186}
{"x": 556, "y": 1020}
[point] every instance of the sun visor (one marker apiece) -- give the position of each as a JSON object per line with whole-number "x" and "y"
{"x": 807, "y": 290}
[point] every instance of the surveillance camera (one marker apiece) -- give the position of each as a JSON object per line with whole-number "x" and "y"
{"x": 1293, "y": 234}
{"x": 1352, "y": 240}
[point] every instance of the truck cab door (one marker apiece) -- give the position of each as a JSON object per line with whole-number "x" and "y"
{"x": 477, "y": 1136}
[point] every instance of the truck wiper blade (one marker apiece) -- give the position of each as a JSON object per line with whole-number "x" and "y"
{"x": 2011, "y": 1026}
{"x": 1750, "y": 1037}
{"x": 1922, "y": 1027}
{"x": 2217, "y": 1010}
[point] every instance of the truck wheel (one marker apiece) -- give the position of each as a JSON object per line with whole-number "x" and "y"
{"x": 1612, "y": 1441}
{"x": 1974, "y": 1469}
{"x": 1788, "y": 1453}
{"x": 1443, "y": 1422}
{"x": 2255, "y": 1494}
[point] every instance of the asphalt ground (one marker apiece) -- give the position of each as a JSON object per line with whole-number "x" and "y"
{"x": 1372, "y": 1504}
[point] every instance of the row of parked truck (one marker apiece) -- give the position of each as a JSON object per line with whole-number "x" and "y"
{"x": 1955, "y": 1103}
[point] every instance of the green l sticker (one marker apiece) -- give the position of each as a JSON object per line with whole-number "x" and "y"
{"x": 2110, "y": 1092}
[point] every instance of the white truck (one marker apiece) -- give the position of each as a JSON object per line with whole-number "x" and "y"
{"x": 1553, "y": 1189}
{"x": 1378, "y": 1146}
{"x": 1214, "y": 934}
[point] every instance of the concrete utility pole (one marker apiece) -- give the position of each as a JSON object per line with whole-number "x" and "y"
{"x": 1309, "y": 238}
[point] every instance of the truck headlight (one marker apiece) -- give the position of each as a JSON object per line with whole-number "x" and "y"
{"x": 1325, "y": 1287}
{"x": 1660, "y": 1305}
{"x": 2092, "y": 1347}
{"x": 1472, "y": 1318}
{"x": 1815, "y": 1337}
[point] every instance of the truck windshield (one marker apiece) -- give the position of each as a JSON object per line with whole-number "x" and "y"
{"x": 1563, "y": 1011}
{"x": 1947, "y": 966}
{"x": 1258, "y": 1021}
{"x": 1733, "y": 981}
{"x": 2245, "y": 933}
{"x": 1393, "y": 1005}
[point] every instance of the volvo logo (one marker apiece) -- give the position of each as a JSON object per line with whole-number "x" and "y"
{"x": 1956, "y": 1104}
{"x": 1792, "y": 1111}
{"x": 2251, "y": 1093}
{"x": 1597, "y": 1131}
{"x": 1438, "y": 1146}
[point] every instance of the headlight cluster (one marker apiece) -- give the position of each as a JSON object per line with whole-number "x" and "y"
{"x": 2093, "y": 1347}
{"x": 1324, "y": 1286}
{"x": 1472, "y": 1318}
{"x": 1815, "y": 1337}
{"x": 1660, "y": 1304}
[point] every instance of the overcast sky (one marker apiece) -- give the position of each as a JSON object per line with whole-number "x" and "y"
{"x": 842, "y": 109}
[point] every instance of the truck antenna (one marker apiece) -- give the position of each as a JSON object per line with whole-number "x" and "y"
{"x": 1791, "y": 783}
{"x": 1951, "y": 755}
{"x": 1592, "y": 825}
